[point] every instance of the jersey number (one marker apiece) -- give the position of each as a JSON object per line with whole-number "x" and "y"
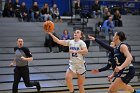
{"x": 117, "y": 62}
{"x": 74, "y": 54}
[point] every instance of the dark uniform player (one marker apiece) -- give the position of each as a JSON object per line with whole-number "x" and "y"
{"x": 22, "y": 57}
{"x": 116, "y": 58}
{"x": 123, "y": 59}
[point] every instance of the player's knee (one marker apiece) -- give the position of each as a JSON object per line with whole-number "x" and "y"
{"x": 80, "y": 84}
{"x": 68, "y": 78}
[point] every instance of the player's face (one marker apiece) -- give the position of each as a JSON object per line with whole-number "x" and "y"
{"x": 77, "y": 34}
{"x": 20, "y": 42}
{"x": 115, "y": 38}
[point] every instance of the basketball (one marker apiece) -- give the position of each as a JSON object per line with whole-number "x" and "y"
{"x": 48, "y": 26}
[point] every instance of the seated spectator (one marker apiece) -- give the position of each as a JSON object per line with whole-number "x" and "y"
{"x": 105, "y": 13}
{"x": 108, "y": 26}
{"x": 55, "y": 13}
{"x": 8, "y": 9}
{"x": 96, "y": 9}
{"x": 117, "y": 18}
{"x": 50, "y": 43}
{"x": 35, "y": 12}
{"x": 46, "y": 13}
{"x": 16, "y": 8}
{"x": 65, "y": 36}
{"x": 23, "y": 12}
{"x": 77, "y": 7}
{"x": 108, "y": 14}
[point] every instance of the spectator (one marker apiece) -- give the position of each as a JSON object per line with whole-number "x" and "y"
{"x": 46, "y": 13}
{"x": 117, "y": 18}
{"x": 96, "y": 9}
{"x": 65, "y": 36}
{"x": 8, "y": 9}
{"x": 108, "y": 14}
{"x": 77, "y": 7}
{"x": 16, "y": 8}
{"x": 24, "y": 12}
{"x": 105, "y": 13}
{"x": 55, "y": 13}
{"x": 35, "y": 14}
{"x": 108, "y": 25}
{"x": 50, "y": 43}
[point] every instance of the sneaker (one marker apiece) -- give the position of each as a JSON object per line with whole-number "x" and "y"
{"x": 38, "y": 87}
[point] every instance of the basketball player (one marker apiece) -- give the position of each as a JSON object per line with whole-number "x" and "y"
{"x": 22, "y": 57}
{"x": 123, "y": 63}
{"x": 77, "y": 50}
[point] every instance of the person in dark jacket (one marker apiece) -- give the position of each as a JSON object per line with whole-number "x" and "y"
{"x": 96, "y": 9}
{"x": 24, "y": 12}
{"x": 16, "y": 8}
{"x": 8, "y": 9}
{"x": 35, "y": 12}
{"x": 46, "y": 13}
{"x": 117, "y": 18}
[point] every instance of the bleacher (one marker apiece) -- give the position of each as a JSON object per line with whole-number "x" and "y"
{"x": 49, "y": 68}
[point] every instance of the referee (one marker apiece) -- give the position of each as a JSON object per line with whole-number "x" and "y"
{"x": 22, "y": 57}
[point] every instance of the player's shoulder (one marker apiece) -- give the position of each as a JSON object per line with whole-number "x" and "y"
{"x": 125, "y": 45}
{"x": 25, "y": 49}
{"x": 15, "y": 48}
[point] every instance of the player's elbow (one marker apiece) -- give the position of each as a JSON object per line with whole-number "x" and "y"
{"x": 86, "y": 51}
{"x": 30, "y": 59}
{"x": 131, "y": 58}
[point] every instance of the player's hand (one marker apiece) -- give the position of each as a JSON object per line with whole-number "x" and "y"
{"x": 118, "y": 68}
{"x": 91, "y": 37}
{"x": 95, "y": 71}
{"x": 11, "y": 65}
{"x": 23, "y": 58}
{"x": 49, "y": 32}
{"x": 110, "y": 77}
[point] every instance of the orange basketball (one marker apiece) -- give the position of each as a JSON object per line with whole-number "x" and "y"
{"x": 48, "y": 26}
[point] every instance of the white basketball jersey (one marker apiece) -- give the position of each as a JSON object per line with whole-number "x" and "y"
{"x": 76, "y": 58}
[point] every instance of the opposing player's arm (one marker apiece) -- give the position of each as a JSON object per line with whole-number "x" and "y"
{"x": 129, "y": 58}
{"x": 55, "y": 39}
